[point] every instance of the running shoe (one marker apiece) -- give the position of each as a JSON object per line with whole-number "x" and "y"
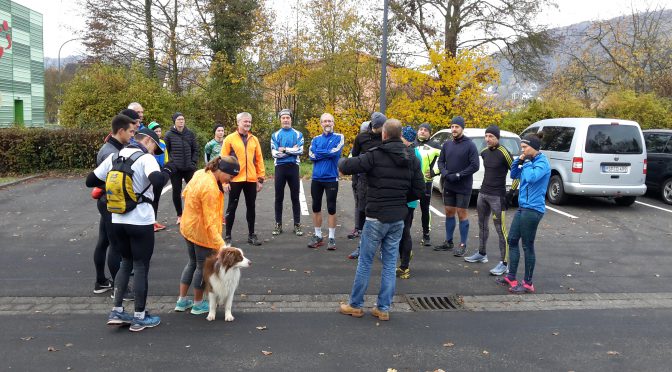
{"x": 316, "y": 242}
{"x": 356, "y": 233}
{"x": 403, "y": 273}
{"x": 477, "y": 257}
{"x": 277, "y": 230}
{"x": 183, "y": 305}
{"x": 158, "y": 227}
{"x": 331, "y": 245}
{"x": 460, "y": 251}
{"x": 500, "y": 269}
{"x": 522, "y": 288}
{"x": 297, "y": 229}
{"x": 179, "y": 219}
{"x": 446, "y": 246}
{"x": 252, "y": 239}
{"x": 119, "y": 318}
{"x": 201, "y": 308}
{"x": 354, "y": 255}
{"x": 103, "y": 287}
{"x": 505, "y": 281}
{"x": 148, "y": 321}
{"x": 426, "y": 240}
{"x": 227, "y": 240}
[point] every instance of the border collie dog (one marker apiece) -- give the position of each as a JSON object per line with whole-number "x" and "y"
{"x": 221, "y": 273}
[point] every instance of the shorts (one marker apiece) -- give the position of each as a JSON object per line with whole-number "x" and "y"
{"x": 317, "y": 189}
{"x": 453, "y": 199}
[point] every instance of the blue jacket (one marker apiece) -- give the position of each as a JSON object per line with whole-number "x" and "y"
{"x": 533, "y": 175}
{"x": 458, "y": 161}
{"x": 325, "y": 150}
{"x": 286, "y": 138}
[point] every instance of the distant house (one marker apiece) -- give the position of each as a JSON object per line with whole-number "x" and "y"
{"x": 21, "y": 66}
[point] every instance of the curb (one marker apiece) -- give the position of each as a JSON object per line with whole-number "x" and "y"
{"x": 12, "y": 183}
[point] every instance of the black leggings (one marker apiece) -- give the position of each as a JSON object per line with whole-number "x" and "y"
{"x": 193, "y": 270}
{"x": 406, "y": 243}
{"x": 176, "y": 180}
{"x": 136, "y": 245}
{"x": 317, "y": 189}
{"x": 287, "y": 173}
{"x": 250, "y": 191}
{"x": 362, "y": 187}
{"x": 113, "y": 257}
{"x": 424, "y": 208}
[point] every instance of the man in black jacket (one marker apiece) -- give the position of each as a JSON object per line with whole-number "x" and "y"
{"x": 393, "y": 179}
{"x": 183, "y": 153}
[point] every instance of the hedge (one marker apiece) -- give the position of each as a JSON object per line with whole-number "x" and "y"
{"x": 35, "y": 150}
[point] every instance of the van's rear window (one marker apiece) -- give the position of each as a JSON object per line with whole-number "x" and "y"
{"x": 613, "y": 139}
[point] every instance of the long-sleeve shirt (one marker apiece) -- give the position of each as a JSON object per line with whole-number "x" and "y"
{"x": 533, "y": 175}
{"x": 459, "y": 157}
{"x": 292, "y": 141}
{"x": 325, "y": 150}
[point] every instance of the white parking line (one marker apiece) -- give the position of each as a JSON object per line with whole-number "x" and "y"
{"x": 653, "y": 206}
{"x": 302, "y": 200}
{"x": 436, "y": 211}
{"x": 561, "y": 212}
{"x": 166, "y": 189}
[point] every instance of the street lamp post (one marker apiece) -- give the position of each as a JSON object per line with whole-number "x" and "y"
{"x": 60, "y": 89}
{"x": 383, "y": 61}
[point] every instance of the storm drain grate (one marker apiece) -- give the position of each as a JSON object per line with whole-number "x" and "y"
{"x": 422, "y": 302}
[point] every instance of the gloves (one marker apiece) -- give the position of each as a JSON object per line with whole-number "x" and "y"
{"x": 453, "y": 177}
{"x": 169, "y": 168}
{"x": 508, "y": 199}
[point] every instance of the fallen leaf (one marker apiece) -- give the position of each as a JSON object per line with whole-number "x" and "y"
{"x": 485, "y": 352}
{"x": 69, "y": 345}
{"x": 448, "y": 344}
{"x": 592, "y": 271}
{"x": 266, "y": 352}
{"x": 51, "y": 348}
{"x": 438, "y": 370}
{"x": 377, "y": 324}
{"x": 571, "y": 289}
{"x": 188, "y": 346}
{"x": 269, "y": 291}
{"x": 657, "y": 275}
{"x": 243, "y": 295}
{"x": 262, "y": 328}
{"x": 283, "y": 269}
{"x": 260, "y": 303}
{"x": 27, "y": 338}
{"x": 321, "y": 353}
{"x": 391, "y": 370}
{"x": 569, "y": 274}
{"x": 475, "y": 271}
{"x": 292, "y": 270}
{"x": 396, "y": 355}
{"x": 577, "y": 263}
{"x": 613, "y": 353}
{"x": 556, "y": 333}
{"x": 307, "y": 271}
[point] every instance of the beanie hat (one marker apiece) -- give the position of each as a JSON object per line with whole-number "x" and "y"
{"x": 493, "y": 129}
{"x": 285, "y": 112}
{"x": 458, "y": 120}
{"x": 408, "y": 133}
{"x": 532, "y": 140}
{"x": 177, "y": 115}
{"x": 426, "y": 126}
{"x": 377, "y": 120}
{"x": 364, "y": 127}
{"x": 131, "y": 114}
{"x": 153, "y": 125}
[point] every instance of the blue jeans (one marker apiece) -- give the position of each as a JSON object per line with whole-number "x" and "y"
{"x": 387, "y": 236}
{"x": 524, "y": 226}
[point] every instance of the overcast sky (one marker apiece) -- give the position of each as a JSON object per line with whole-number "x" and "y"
{"x": 63, "y": 21}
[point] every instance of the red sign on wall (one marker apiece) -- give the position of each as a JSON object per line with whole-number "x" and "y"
{"x": 8, "y": 36}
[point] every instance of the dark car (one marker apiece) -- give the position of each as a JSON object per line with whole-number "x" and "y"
{"x": 659, "y": 162}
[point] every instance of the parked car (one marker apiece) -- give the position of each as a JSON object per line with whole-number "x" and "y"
{"x": 659, "y": 162}
{"x": 593, "y": 157}
{"x": 507, "y": 139}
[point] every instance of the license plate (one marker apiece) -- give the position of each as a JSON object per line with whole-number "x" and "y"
{"x": 615, "y": 169}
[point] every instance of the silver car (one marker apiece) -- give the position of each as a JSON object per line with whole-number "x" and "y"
{"x": 593, "y": 157}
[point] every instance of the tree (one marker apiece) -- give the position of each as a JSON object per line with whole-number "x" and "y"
{"x": 649, "y": 110}
{"x": 447, "y": 86}
{"x": 505, "y": 25}
{"x": 538, "y": 109}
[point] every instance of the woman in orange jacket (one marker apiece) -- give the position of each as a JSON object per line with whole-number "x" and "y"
{"x": 201, "y": 226}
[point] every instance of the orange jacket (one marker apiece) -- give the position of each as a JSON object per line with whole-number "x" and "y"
{"x": 249, "y": 157}
{"x": 202, "y": 216}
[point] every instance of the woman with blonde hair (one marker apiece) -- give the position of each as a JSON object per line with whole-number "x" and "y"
{"x": 201, "y": 226}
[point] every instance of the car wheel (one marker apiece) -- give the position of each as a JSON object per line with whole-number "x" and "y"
{"x": 666, "y": 191}
{"x": 556, "y": 191}
{"x": 625, "y": 201}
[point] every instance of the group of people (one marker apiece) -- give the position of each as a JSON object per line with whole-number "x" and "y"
{"x": 392, "y": 167}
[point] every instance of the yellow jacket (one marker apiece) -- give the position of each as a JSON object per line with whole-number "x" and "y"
{"x": 202, "y": 215}
{"x": 249, "y": 157}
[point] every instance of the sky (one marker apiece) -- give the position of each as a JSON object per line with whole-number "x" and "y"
{"x": 63, "y": 20}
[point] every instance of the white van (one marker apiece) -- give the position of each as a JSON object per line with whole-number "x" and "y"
{"x": 509, "y": 140}
{"x": 593, "y": 157}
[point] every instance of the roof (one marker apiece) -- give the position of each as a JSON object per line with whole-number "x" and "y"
{"x": 480, "y": 132}
{"x": 666, "y": 131}
{"x": 584, "y": 121}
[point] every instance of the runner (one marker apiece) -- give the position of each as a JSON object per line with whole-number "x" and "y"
{"x": 183, "y": 149}
{"x": 286, "y": 147}
{"x": 458, "y": 162}
{"x": 325, "y": 150}
{"x": 430, "y": 151}
{"x": 201, "y": 226}
{"x": 132, "y": 232}
{"x": 491, "y": 199}
{"x": 214, "y": 147}
{"x": 533, "y": 171}
{"x": 161, "y": 159}
{"x": 406, "y": 243}
{"x": 246, "y": 148}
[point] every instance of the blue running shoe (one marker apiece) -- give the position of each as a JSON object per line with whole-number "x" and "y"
{"x": 148, "y": 322}
{"x": 201, "y": 308}
{"x": 354, "y": 255}
{"x": 119, "y": 318}
{"x": 183, "y": 305}
{"x": 477, "y": 257}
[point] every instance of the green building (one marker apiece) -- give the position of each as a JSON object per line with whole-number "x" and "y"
{"x": 21, "y": 66}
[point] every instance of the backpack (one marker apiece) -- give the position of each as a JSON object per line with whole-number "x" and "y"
{"x": 121, "y": 198}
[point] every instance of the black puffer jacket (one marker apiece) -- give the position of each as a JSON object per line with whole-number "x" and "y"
{"x": 182, "y": 149}
{"x": 394, "y": 178}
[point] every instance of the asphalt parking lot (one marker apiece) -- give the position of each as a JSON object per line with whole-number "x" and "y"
{"x": 589, "y": 247}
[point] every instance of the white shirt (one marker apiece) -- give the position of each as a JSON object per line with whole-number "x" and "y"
{"x": 143, "y": 214}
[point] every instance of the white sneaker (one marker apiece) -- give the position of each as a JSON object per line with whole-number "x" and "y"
{"x": 477, "y": 257}
{"x": 500, "y": 269}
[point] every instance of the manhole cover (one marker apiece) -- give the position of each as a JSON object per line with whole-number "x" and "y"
{"x": 423, "y": 302}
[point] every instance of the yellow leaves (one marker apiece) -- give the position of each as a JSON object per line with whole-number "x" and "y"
{"x": 445, "y": 87}
{"x": 347, "y": 122}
